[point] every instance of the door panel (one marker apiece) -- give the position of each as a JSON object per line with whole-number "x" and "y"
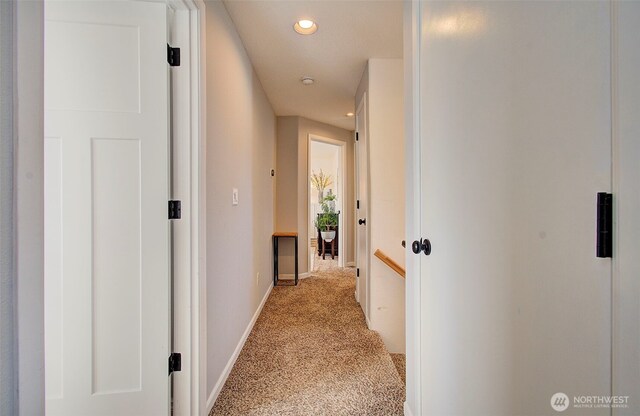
{"x": 116, "y": 234}
{"x": 362, "y": 191}
{"x": 516, "y": 142}
{"x": 107, "y": 233}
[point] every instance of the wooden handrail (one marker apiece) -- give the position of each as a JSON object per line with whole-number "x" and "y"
{"x": 386, "y": 260}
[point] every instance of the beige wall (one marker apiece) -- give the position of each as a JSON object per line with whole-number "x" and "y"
{"x": 8, "y": 385}
{"x": 362, "y": 88}
{"x": 383, "y": 82}
{"x": 286, "y": 190}
{"x": 326, "y": 157}
{"x": 293, "y": 187}
{"x": 287, "y": 174}
{"x": 240, "y": 152}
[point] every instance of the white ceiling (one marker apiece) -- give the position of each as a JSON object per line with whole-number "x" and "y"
{"x": 349, "y": 33}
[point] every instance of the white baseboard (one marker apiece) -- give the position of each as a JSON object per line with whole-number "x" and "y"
{"x": 366, "y": 318}
{"x": 291, "y": 276}
{"x": 227, "y": 369}
{"x": 351, "y": 264}
{"x": 407, "y": 410}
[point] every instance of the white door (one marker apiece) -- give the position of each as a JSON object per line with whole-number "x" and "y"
{"x": 515, "y": 143}
{"x": 362, "y": 204}
{"x": 107, "y": 248}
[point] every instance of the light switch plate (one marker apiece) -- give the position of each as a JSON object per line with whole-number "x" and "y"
{"x": 235, "y": 196}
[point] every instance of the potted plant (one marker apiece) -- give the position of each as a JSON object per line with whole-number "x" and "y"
{"x": 327, "y": 220}
{"x": 320, "y": 182}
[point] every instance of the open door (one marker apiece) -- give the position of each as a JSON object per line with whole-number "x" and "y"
{"x": 362, "y": 204}
{"x": 329, "y": 156}
{"x": 515, "y": 141}
{"x": 107, "y": 245}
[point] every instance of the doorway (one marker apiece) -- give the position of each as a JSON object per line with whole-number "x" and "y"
{"x": 116, "y": 266}
{"x": 327, "y": 161}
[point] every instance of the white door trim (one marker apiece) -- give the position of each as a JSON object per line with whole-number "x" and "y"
{"x": 198, "y": 204}
{"x": 189, "y": 390}
{"x": 342, "y": 169}
{"x": 29, "y": 205}
{"x": 412, "y": 39}
{"x": 625, "y": 342}
{"x": 188, "y": 185}
{"x": 356, "y": 194}
{"x": 363, "y": 104}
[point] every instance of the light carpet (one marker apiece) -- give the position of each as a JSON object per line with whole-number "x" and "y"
{"x": 310, "y": 353}
{"x": 400, "y": 361}
{"x": 326, "y": 265}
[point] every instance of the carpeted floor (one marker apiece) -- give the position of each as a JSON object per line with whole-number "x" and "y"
{"x": 310, "y": 353}
{"x": 400, "y": 361}
{"x": 327, "y": 264}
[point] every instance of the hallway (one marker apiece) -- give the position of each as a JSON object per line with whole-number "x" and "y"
{"x": 310, "y": 353}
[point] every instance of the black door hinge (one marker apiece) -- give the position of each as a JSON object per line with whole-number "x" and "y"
{"x": 604, "y": 226}
{"x": 357, "y": 272}
{"x": 358, "y": 204}
{"x": 175, "y": 210}
{"x": 173, "y": 56}
{"x": 357, "y": 136}
{"x": 175, "y": 362}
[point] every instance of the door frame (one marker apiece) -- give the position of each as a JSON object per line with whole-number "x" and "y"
{"x": 622, "y": 264}
{"x": 342, "y": 163}
{"x": 363, "y": 105}
{"x": 412, "y": 127}
{"x": 28, "y": 205}
{"x": 188, "y": 177}
{"x": 29, "y": 210}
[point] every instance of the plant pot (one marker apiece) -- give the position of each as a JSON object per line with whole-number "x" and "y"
{"x": 328, "y": 236}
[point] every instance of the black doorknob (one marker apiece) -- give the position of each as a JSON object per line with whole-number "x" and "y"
{"x": 415, "y": 247}
{"x": 426, "y": 246}
{"x": 362, "y": 221}
{"x": 422, "y": 245}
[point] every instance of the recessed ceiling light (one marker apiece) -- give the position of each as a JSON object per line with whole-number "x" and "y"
{"x": 307, "y": 80}
{"x": 305, "y": 24}
{"x": 349, "y": 114}
{"x": 305, "y": 27}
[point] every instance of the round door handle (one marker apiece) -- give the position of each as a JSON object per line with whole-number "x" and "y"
{"x": 362, "y": 221}
{"x": 423, "y": 245}
{"x": 426, "y": 246}
{"x": 415, "y": 247}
